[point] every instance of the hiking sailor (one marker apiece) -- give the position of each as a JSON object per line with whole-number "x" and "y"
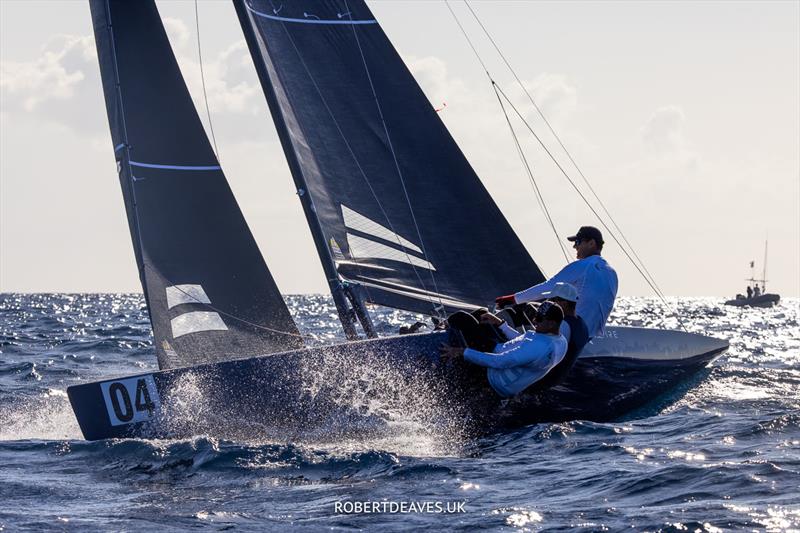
{"x": 573, "y": 328}
{"x": 595, "y": 280}
{"x": 525, "y": 359}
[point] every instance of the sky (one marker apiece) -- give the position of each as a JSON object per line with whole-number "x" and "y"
{"x": 683, "y": 116}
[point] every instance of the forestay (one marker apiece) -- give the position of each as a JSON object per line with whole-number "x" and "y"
{"x": 208, "y": 290}
{"x": 390, "y": 197}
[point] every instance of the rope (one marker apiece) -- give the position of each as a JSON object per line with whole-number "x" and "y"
{"x": 138, "y": 250}
{"x": 394, "y": 155}
{"x": 593, "y": 210}
{"x": 642, "y": 270}
{"x": 357, "y": 162}
{"x": 561, "y": 144}
{"x": 469, "y": 41}
{"x": 520, "y": 152}
{"x": 203, "y": 79}
{"x": 229, "y": 315}
{"x": 535, "y": 186}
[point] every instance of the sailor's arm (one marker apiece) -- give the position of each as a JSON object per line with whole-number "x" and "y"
{"x": 523, "y": 353}
{"x": 568, "y": 274}
{"x": 494, "y": 320}
{"x": 508, "y": 331}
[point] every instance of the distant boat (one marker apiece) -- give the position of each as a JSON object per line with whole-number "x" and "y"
{"x": 394, "y": 223}
{"x": 758, "y": 296}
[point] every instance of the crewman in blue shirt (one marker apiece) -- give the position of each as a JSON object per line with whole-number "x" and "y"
{"x": 591, "y": 275}
{"x": 515, "y": 365}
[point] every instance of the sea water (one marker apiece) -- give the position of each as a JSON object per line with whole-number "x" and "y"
{"x": 723, "y": 453}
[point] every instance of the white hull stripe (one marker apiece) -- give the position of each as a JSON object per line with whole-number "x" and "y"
{"x": 196, "y": 322}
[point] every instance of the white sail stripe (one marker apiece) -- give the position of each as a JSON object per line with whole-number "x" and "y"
{"x": 186, "y": 294}
{"x": 310, "y": 20}
{"x": 357, "y": 221}
{"x": 366, "y": 249}
{"x": 175, "y": 167}
{"x": 195, "y": 322}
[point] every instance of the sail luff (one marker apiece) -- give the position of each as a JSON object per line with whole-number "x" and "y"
{"x": 126, "y": 182}
{"x": 209, "y": 293}
{"x": 257, "y": 49}
{"x": 395, "y": 202}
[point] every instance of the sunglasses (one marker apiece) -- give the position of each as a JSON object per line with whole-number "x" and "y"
{"x": 576, "y": 242}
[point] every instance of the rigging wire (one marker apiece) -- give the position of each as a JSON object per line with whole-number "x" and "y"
{"x": 642, "y": 270}
{"x": 229, "y": 315}
{"x": 203, "y": 79}
{"x": 524, "y": 159}
{"x": 394, "y": 155}
{"x": 358, "y": 164}
{"x": 589, "y": 205}
{"x": 127, "y": 154}
{"x": 144, "y": 264}
{"x": 538, "y": 194}
{"x": 563, "y": 147}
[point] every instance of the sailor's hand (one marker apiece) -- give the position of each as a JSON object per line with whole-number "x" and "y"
{"x": 505, "y": 301}
{"x": 492, "y": 320}
{"x": 447, "y": 352}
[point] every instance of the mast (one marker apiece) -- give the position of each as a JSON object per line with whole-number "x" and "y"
{"x": 764, "y": 273}
{"x": 346, "y": 295}
{"x": 390, "y": 199}
{"x": 209, "y": 293}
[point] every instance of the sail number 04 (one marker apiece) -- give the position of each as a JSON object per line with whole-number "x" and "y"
{"x": 130, "y": 400}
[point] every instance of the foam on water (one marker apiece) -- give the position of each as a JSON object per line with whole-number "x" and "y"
{"x": 47, "y": 416}
{"x": 724, "y": 456}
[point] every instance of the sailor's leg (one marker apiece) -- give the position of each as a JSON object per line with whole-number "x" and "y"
{"x": 475, "y": 336}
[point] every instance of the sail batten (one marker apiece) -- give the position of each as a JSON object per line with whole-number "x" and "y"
{"x": 361, "y": 137}
{"x": 209, "y": 293}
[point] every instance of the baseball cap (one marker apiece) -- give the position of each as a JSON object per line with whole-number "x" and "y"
{"x": 586, "y": 233}
{"x": 550, "y": 311}
{"x": 565, "y": 291}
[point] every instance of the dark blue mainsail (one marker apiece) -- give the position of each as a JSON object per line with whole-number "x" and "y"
{"x": 208, "y": 290}
{"x": 391, "y": 199}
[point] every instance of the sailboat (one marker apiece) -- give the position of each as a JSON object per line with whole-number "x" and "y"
{"x": 758, "y": 297}
{"x": 391, "y": 202}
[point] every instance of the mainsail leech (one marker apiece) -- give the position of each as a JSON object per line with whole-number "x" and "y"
{"x": 360, "y": 135}
{"x": 209, "y": 293}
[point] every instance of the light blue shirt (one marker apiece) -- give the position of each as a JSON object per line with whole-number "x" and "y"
{"x": 517, "y": 364}
{"x": 597, "y": 286}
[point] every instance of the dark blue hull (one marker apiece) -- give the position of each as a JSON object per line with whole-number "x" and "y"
{"x": 328, "y": 389}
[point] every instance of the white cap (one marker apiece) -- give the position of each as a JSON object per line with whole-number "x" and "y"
{"x": 566, "y": 291}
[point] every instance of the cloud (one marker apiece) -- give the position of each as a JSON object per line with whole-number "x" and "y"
{"x": 232, "y": 83}
{"x": 177, "y": 31}
{"x": 57, "y": 75}
{"x": 555, "y": 96}
{"x": 664, "y": 140}
{"x": 663, "y": 132}
{"x": 63, "y": 84}
{"x": 431, "y": 74}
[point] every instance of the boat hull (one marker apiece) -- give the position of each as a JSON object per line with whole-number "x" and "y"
{"x": 330, "y": 387}
{"x": 764, "y": 300}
